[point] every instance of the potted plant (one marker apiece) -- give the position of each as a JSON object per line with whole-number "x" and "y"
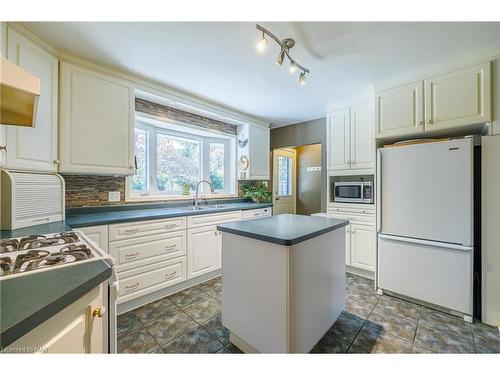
{"x": 256, "y": 192}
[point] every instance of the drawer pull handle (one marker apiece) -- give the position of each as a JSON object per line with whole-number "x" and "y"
{"x": 128, "y": 256}
{"x": 170, "y": 247}
{"x": 170, "y": 275}
{"x": 132, "y": 286}
{"x": 170, "y": 225}
{"x": 133, "y": 230}
{"x": 256, "y": 214}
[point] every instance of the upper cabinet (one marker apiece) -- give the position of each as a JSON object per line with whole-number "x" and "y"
{"x": 254, "y": 146}
{"x": 400, "y": 111}
{"x": 34, "y": 148}
{"x": 350, "y": 139}
{"x": 97, "y": 122}
{"x": 442, "y": 102}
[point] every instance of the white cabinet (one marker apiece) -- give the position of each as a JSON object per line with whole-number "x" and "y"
{"x": 338, "y": 139}
{"x": 350, "y": 138}
{"x": 362, "y": 148}
{"x": 98, "y": 234}
{"x": 77, "y": 329}
{"x": 363, "y": 240}
{"x": 399, "y": 111}
{"x": 256, "y": 149}
{"x": 458, "y": 98}
{"x": 97, "y": 122}
{"x": 203, "y": 250}
{"x": 34, "y": 148}
{"x": 442, "y": 102}
{"x": 257, "y": 213}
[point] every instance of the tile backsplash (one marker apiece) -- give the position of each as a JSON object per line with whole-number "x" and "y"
{"x": 90, "y": 190}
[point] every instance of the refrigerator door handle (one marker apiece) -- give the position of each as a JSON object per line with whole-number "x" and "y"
{"x": 445, "y": 245}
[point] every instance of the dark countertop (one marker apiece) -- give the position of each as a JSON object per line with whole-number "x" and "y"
{"x": 31, "y": 299}
{"x": 78, "y": 218}
{"x": 286, "y": 230}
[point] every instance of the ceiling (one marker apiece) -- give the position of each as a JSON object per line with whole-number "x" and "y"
{"x": 218, "y": 61}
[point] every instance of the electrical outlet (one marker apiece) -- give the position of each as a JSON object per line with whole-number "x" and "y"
{"x": 114, "y": 196}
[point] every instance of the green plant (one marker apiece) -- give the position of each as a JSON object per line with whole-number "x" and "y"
{"x": 256, "y": 192}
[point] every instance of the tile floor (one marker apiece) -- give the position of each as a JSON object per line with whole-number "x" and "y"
{"x": 190, "y": 322}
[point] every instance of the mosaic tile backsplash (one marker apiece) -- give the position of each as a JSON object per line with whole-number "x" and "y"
{"x": 84, "y": 190}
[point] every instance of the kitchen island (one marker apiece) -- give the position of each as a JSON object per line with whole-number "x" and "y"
{"x": 283, "y": 281}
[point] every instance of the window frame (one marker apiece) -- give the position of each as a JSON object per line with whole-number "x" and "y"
{"x": 152, "y": 193}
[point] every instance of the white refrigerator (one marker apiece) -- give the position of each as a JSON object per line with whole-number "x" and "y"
{"x": 425, "y": 222}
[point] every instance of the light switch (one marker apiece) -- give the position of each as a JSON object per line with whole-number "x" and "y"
{"x": 114, "y": 196}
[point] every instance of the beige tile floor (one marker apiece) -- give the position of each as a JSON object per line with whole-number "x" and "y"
{"x": 190, "y": 322}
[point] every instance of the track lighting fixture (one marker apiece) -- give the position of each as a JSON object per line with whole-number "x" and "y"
{"x": 286, "y": 45}
{"x": 302, "y": 79}
{"x": 261, "y": 44}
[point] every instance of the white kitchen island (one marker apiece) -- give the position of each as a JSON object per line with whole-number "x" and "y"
{"x": 283, "y": 281}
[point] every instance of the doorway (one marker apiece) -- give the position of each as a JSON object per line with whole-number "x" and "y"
{"x": 297, "y": 179}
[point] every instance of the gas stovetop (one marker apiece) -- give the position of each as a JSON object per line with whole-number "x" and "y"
{"x": 22, "y": 255}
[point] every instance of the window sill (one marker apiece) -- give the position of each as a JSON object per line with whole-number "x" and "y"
{"x": 163, "y": 198}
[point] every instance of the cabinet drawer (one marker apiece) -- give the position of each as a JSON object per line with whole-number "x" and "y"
{"x": 212, "y": 219}
{"x": 254, "y": 214}
{"x": 355, "y": 219}
{"x": 161, "y": 274}
{"x": 145, "y": 228}
{"x": 149, "y": 249}
{"x": 351, "y": 211}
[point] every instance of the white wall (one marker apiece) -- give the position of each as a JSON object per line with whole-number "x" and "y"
{"x": 496, "y": 96}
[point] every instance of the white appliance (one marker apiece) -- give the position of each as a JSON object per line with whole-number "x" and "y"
{"x": 425, "y": 222}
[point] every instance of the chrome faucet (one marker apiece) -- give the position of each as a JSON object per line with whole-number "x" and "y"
{"x": 197, "y": 187}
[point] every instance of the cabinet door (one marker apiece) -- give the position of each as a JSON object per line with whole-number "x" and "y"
{"x": 458, "y": 98}
{"x": 34, "y": 148}
{"x": 400, "y": 111}
{"x": 97, "y": 122}
{"x": 338, "y": 140}
{"x": 203, "y": 251}
{"x": 363, "y": 247}
{"x": 362, "y": 139}
{"x": 259, "y": 152}
{"x": 348, "y": 245}
{"x": 98, "y": 234}
{"x": 73, "y": 330}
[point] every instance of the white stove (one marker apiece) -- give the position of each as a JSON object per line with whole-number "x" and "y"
{"x": 36, "y": 253}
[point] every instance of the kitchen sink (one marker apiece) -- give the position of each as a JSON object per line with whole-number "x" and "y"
{"x": 202, "y": 207}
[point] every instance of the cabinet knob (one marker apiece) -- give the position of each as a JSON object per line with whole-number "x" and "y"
{"x": 353, "y": 163}
{"x": 99, "y": 311}
{"x": 56, "y": 161}
{"x": 420, "y": 122}
{"x": 429, "y": 121}
{"x": 3, "y": 148}
{"x": 130, "y": 166}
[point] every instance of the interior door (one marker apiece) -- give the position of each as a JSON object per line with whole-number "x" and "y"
{"x": 284, "y": 181}
{"x": 427, "y": 191}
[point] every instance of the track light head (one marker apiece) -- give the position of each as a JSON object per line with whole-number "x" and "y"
{"x": 292, "y": 69}
{"x": 261, "y": 44}
{"x": 302, "y": 79}
{"x": 281, "y": 57}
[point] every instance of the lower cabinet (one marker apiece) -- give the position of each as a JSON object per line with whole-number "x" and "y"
{"x": 77, "y": 329}
{"x": 362, "y": 247}
{"x": 204, "y": 248}
{"x": 98, "y": 234}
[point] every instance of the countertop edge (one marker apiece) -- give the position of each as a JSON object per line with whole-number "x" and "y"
{"x": 18, "y": 330}
{"x": 281, "y": 241}
{"x": 104, "y": 221}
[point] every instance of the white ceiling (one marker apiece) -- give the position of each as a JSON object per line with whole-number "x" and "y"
{"x": 218, "y": 60}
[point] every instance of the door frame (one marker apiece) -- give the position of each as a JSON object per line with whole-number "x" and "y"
{"x": 276, "y": 153}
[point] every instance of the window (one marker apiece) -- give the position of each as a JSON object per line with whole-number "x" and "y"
{"x": 170, "y": 160}
{"x": 284, "y": 176}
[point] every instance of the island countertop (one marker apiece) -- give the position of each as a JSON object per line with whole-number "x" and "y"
{"x": 286, "y": 230}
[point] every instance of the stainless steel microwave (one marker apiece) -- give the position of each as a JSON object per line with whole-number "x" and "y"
{"x": 353, "y": 191}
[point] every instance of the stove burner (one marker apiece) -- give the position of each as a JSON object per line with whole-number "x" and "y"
{"x": 24, "y": 243}
{"x": 73, "y": 235}
{"x": 54, "y": 258}
{"x": 82, "y": 251}
{"x": 9, "y": 245}
{"x": 5, "y": 265}
{"x": 30, "y": 260}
